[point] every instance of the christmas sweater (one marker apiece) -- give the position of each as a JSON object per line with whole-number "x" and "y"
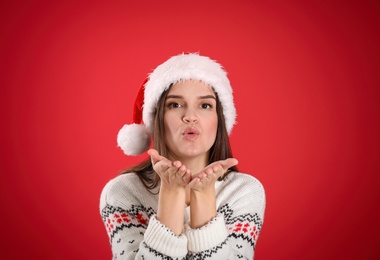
{"x": 128, "y": 211}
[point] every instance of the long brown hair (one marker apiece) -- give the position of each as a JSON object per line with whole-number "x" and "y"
{"x": 220, "y": 150}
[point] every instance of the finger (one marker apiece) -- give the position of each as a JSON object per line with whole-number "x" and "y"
{"x": 201, "y": 175}
{"x": 173, "y": 169}
{"x": 194, "y": 182}
{"x": 181, "y": 170}
{"x": 210, "y": 170}
{"x": 215, "y": 168}
{"x": 177, "y": 164}
{"x": 186, "y": 176}
{"x": 161, "y": 167}
{"x": 229, "y": 162}
{"x": 154, "y": 156}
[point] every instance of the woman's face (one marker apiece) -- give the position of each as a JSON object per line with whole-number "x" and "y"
{"x": 190, "y": 119}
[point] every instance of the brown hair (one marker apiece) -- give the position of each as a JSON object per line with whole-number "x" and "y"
{"x": 220, "y": 150}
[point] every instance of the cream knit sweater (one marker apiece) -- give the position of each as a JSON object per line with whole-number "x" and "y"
{"x": 128, "y": 211}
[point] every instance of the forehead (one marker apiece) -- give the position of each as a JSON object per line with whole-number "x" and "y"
{"x": 197, "y": 87}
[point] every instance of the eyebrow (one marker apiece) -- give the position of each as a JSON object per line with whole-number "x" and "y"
{"x": 200, "y": 97}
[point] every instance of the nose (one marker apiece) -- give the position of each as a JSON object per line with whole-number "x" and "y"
{"x": 190, "y": 117}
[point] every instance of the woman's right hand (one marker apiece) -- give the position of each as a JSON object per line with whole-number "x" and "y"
{"x": 172, "y": 196}
{"x": 173, "y": 174}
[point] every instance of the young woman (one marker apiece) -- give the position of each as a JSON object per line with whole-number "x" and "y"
{"x": 187, "y": 200}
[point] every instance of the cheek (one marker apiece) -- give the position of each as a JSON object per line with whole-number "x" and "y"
{"x": 169, "y": 124}
{"x": 212, "y": 125}
{"x": 166, "y": 124}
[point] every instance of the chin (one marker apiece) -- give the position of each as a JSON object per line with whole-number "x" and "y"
{"x": 191, "y": 152}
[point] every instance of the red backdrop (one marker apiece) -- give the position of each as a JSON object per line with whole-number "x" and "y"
{"x": 306, "y": 81}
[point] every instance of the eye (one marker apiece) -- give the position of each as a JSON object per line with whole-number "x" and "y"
{"x": 173, "y": 105}
{"x": 206, "y": 106}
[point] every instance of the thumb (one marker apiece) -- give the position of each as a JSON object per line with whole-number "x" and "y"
{"x": 154, "y": 156}
{"x": 229, "y": 162}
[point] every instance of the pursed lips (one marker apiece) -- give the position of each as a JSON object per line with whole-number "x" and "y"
{"x": 190, "y": 133}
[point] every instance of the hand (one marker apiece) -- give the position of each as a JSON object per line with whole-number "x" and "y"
{"x": 207, "y": 177}
{"x": 173, "y": 174}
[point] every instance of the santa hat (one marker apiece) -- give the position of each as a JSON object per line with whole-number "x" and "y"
{"x": 134, "y": 138}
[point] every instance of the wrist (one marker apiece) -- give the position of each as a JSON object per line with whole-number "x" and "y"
{"x": 172, "y": 196}
{"x": 208, "y": 191}
{"x": 169, "y": 189}
{"x": 170, "y": 208}
{"x": 202, "y": 207}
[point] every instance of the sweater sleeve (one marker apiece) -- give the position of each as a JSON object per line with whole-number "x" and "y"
{"x": 234, "y": 232}
{"x": 132, "y": 228}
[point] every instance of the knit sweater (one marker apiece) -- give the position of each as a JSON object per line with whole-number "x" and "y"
{"x": 128, "y": 211}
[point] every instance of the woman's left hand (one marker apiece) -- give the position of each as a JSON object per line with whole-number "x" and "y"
{"x": 208, "y": 176}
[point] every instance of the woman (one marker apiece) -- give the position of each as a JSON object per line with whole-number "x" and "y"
{"x": 188, "y": 200}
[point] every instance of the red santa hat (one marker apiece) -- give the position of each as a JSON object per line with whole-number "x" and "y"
{"x": 135, "y": 138}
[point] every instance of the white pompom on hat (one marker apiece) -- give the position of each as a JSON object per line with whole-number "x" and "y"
{"x": 135, "y": 138}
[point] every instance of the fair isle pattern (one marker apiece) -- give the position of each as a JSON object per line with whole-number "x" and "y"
{"x": 242, "y": 228}
{"x": 246, "y": 227}
{"x": 160, "y": 255}
{"x": 116, "y": 219}
{"x": 240, "y": 206}
{"x": 208, "y": 253}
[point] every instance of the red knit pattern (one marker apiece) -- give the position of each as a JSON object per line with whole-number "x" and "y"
{"x": 246, "y": 228}
{"x": 116, "y": 219}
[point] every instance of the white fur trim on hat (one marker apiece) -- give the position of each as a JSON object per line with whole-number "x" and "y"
{"x": 133, "y": 139}
{"x": 185, "y": 67}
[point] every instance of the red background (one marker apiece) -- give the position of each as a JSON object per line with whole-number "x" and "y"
{"x": 306, "y": 81}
